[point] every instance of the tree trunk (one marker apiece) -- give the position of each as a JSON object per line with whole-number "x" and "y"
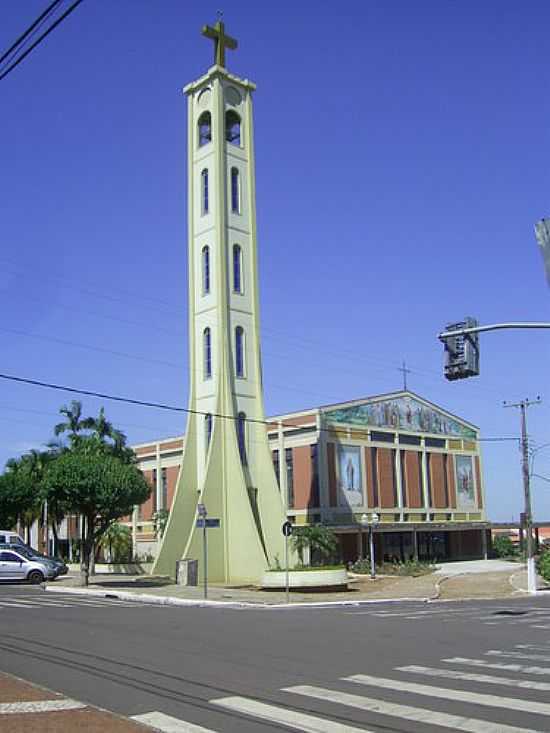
{"x": 55, "y": 538}
{"x": 84, "y": 553}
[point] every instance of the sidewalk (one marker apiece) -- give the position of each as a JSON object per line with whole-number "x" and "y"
{"x": 27, "y": 708}
{"x": 477, "y": 579}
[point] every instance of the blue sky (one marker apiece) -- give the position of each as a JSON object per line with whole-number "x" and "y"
{"x": 401, "y": 153}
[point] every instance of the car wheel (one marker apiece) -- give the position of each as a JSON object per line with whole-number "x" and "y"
{"x": 35, "y": 577}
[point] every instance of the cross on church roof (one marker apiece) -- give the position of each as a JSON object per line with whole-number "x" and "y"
{"x": 221, "y": 41}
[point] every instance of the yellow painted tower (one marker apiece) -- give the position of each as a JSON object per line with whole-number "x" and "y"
{"x": 227, "y": 464}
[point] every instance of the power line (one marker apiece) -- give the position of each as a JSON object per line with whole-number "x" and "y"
{"x": 174, "y": 408}
{"x": 39, "y": 40}
{"x": 29, "y": 33}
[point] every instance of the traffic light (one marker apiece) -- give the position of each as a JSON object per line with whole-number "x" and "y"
{"x": 461, "y": 351}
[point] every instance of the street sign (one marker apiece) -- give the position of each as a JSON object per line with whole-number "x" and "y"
{"x": 201, "y": 510}
{"x": 287, "y": 529}
{"x": 208, "y": 523}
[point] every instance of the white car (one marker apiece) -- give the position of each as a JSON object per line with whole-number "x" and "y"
{"x": 14, "y": 566}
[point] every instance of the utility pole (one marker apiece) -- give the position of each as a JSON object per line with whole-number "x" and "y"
{"x": 528, "y": 523}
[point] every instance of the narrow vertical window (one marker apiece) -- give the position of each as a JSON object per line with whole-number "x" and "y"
{"x": 205, "y": 270}
{"x": 207, "y": 353}
{"x": 204, "y": 191}
{"x": 164, "y": 492}
{"x": 232, "y": 127}
{"x": 241, "y": 436}
{"x": 314, "y": 493}
{"x": 154, "y": 492}
{"x": 235, "y": 191}
{"x": 239, "y": 351}
{"x": 289, "y": 460}
{"x": 275, "y": 455}
{"x": 237, "y": 269}
{"x": 205, "y": 129}
{"x": 208, "y": 429}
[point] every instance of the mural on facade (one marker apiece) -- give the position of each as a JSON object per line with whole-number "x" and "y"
{"x": 465, "y": 494}
{"x": 350, "y": 478}
{"x": 405, "y": 413}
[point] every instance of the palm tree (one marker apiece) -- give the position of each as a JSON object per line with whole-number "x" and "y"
{"x": 103, "y": 428}
{"x": 74, "y": 423}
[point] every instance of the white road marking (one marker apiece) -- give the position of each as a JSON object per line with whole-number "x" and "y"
{"x": 420, "y": 715}
{"x": 450, "y": 674}
{"x": 498, "y": 665}
{"x": 39, "y": 706}
{"x": 282, "y": 716}
{"x": 493, "y": 701}
{"x": 517, "y": 655}
{"x": 7, "y": 604}
{"x": 537, "y": 647}
{"x": 168, "y": 724}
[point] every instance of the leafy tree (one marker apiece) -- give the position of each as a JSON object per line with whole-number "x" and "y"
{"x": 320, "y": 540}
{"x": 118, "y": 541}
{"x": 8, "y": 510}
{"x": 89, "y": 480}
{"x": 22, "y": 487}
{"x": 75, "y": 423}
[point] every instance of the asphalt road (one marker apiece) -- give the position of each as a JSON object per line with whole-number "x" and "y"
{"x": 481, "y": 666}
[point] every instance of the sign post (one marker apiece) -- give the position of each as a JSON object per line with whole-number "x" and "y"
{"x": 201, "y": 511}
{"x": 287, "y": 531}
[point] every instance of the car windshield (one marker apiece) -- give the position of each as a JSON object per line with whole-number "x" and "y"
{"x": 24, "y": 551}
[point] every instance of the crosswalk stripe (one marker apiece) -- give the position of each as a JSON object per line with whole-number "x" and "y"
{"x": 517, "y": 655}
{"x": 168, "y": 724}
{"x": 39, "y": 706}
{"x": 451, "y": 674}
{"x": 282, "y": 716}
{"x": 421, "y": 715}
{"x": 498, "y": 665}
{"x": 7, "y": 604}
{"x": 493, "y": 701}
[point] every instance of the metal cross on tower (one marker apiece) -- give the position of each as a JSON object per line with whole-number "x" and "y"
{"x": 221, "y": 41}
{"x": 405, "y": 371}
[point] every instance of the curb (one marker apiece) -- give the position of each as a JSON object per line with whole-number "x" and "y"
{"x": 205, "y": 603}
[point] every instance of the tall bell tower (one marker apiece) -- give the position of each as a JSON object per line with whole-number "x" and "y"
{"x": 227, "y": 463}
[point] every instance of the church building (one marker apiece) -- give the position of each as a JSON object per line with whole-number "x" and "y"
{"x": 399, "y": 456}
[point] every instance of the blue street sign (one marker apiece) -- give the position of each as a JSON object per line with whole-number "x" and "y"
{"x": 209, "y": 523}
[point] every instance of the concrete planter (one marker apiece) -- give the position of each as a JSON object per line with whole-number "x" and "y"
{"x": 306, "y": 579}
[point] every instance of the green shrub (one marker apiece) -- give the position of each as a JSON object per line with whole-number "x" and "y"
{"x": 543, "y": 565}
{"x": 503, "y": 546}
{"x": 412, "y": 568}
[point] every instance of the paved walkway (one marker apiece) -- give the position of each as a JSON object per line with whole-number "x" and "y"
{"x": 26, "y": 708}
{"x": 476, "y": 579}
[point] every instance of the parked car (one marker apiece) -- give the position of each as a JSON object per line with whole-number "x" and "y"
{"x": 15, "y": 566}
{"x": 32, "y": 554}
{"x": 7, "y": 536}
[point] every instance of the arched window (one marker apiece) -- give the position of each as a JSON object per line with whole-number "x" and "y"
{"x": 241, "y": 436}
{"x": 239, "y": 351}
{"x": 205, "y": 128}
{"x": 232, "y": 127}
{"x": 207, "y": 353}
{"x": 205, "y": 270}
{"x": 237, "y": 269}
{"x": 208, "y": 429}
{"x": 235, "y": 191}
{"x": 204, "y": 191}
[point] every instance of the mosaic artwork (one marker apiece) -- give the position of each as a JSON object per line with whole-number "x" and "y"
{"x": 465, "y": 493}
{"x": 404, "y": 413}
{"x": 350, "y": 479}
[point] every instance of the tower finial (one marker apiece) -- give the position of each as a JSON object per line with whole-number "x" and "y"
{"x": 221, "y": 40}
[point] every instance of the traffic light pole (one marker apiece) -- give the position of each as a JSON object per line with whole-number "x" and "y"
{"x": 492, "y": 327}
{"x": 523, "y": 405}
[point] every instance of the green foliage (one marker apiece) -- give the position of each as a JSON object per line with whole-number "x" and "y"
{"x": 320, "y": 540}
{"x": 412, "y": 568}
{"x": 160, "y": 520}
{"x": 361, "y": 566}
{"x": 117, "y": 541}
{"x": 543, "y": 564}
{"x": 504, "y": 547}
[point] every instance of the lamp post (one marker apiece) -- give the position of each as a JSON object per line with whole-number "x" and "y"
{"x": 374, "y": 519}
{"x": 364, "y": 522}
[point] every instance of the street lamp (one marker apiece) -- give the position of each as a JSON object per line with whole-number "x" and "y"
{"x": 374, "y": 519}
{"x": 364, "y": 521}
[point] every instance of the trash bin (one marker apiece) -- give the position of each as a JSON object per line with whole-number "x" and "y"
{"x": 187, "y": 572}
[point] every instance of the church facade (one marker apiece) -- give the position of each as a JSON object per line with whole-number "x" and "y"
{"x": 397, "y": 455}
